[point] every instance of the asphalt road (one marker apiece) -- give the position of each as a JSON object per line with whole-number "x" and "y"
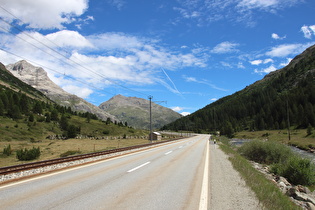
{"x": 167, "y": 177}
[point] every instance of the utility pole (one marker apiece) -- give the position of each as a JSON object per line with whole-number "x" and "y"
{"x": 150, "y": 98}
{"x": 288, "y": 119}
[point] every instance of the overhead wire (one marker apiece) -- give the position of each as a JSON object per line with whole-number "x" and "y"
{"x": 62, "y": 55}
{"x": 53, "y": 70}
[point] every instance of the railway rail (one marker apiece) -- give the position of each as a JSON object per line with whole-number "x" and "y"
{"x": 34, "y": 165}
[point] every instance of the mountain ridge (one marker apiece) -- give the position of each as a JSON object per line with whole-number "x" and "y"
{"x": 287, "y": 93}
{"x": 136, "y": 111}
{"x": 37, "y": 77}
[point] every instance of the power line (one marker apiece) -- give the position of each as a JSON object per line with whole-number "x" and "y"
{"x": 82, "y": 82}
{"x": 75, "y": 62}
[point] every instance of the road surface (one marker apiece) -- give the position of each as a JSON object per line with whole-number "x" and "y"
{"x": 166, "y": 177}
{"x": 188, "y": 174}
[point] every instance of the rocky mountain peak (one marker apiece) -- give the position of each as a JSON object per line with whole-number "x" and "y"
{"x": 37, "y": 77}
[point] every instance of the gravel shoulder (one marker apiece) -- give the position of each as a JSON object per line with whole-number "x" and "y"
{"x": 227, "y": 189}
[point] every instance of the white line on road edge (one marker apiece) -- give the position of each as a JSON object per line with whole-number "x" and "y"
{"x": 168, "y": 152}
{"x": 203, "y": 204}
{"x": 131, "y": 170}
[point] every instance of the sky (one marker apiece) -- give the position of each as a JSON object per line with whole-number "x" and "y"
{"x": 185, "y": 54}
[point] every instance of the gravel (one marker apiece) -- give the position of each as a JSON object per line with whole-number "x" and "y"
{"x": 227, "y": 189}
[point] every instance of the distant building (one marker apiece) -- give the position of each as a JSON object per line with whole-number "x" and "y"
{"x": 155, "y": 136}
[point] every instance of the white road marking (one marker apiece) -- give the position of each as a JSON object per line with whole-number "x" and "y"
{"x": 203, "y": 204}
{"x": 131, "y": 170}
{"x": 168, "y": 152}
{"x": 180, "y": 147}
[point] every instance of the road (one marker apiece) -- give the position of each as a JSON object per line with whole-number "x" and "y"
{"x": 171, "y": 176}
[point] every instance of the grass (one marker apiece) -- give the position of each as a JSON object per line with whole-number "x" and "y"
{"x": 22, "y": 134}
{"x": 298, "y": 137}
{"x": 267, "y": 193}
{"x": 51, "y": 149}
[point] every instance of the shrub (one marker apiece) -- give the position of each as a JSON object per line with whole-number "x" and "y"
{"x": 265, "y": 152}
{"x": 284, "y": 162}
{"x": 25, "y": 154}
{"x": 7, "y": 150}
{"x": 106, "y": 132}
{"x": 297, "y": 170}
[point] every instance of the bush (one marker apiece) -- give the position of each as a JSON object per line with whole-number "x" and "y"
{"x": 266, "y": 152}
{"x": 25, "y": 154}
{"x": 297, "y": 170}
{"x": 7, "y": 150}
{"x": 106, "y": 132}
{"x": 284, "y": 162}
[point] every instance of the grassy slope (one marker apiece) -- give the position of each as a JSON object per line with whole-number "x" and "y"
{"x": 298, "y": 137}
{"x": 21, "y": 134}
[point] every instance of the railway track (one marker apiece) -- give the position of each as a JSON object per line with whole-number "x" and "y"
{"x": 39, "y": 164}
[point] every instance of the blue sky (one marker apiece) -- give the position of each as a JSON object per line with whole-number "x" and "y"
{"x": 188, "y": 53}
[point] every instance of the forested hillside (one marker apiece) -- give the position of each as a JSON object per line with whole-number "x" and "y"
{"x": 27, "y": 114}
{"x": 284, "y": 97}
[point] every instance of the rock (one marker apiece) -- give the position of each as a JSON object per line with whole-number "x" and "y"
{"x": 304, "y": 197}
{"x": 282, "y": 179}
{"x": 292, "y": 192}
{"x": 310, "y": 206}
{"x": 303, "y": 189}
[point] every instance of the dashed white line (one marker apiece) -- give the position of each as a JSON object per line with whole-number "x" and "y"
{"x": 169, "y": 152}
{"x": 131, "y": 170}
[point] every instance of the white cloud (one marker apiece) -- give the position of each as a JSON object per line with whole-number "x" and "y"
{"x": 267, "y": 5}
{"x": 288, "y": 60}
{"x": 287, "y": 49}
{"x": 190, "y": 79}
{"x": 66, "y": 38}
{"x": 307, "y": 31}
{"x": 78, "y": 90}
{"x": 213, "y": 99}
{"x": 244, "y": 11}
{"x": 44, "y": 14}
{"x": 276, "y": 36}
{"x": 185, "y": 113}
{"x": 256, "y": 62}
{"x": 266, "y": 70}
{"x": 177, "y": 108}
{"x": 268, "y": 60}
{"x": 240, "y": 65}
{"x": 225, "y": 47}
{"x": 98, "y": 60}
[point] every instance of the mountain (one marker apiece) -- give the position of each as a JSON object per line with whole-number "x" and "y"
{"x": 9, "y": 81}
{"x": 283, "y": 97}
{"x": 37, "y": 78}
{"x": 136, "y": 111}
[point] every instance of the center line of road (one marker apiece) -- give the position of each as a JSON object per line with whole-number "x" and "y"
{"x": 131, "y": 170}
{"x": 168, "y": 152}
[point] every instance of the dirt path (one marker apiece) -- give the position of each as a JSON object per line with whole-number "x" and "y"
{"x": 227, "y": 189}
